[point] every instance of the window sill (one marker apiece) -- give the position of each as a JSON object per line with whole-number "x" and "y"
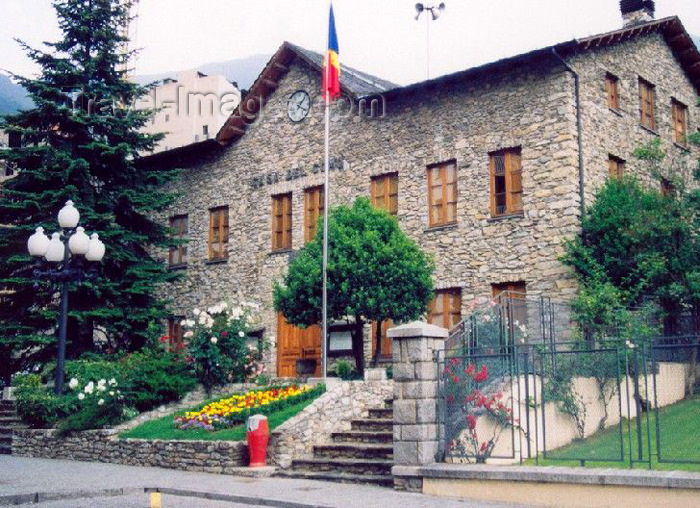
{"x": 506, "y": 216}
{"x": 617, "y": 111}
{"x": 181, "y": 266}
{"x": 685, "y": 148}
{"x": 280, "y": 251}
{"x": 651, "y": 131}
{"x": 441, "y": 227}
{"x": 216, "y": 261}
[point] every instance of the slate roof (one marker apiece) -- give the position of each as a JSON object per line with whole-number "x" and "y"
{"x": 359, "y": 84}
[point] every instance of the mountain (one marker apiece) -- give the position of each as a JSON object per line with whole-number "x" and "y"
{"x": 12, "y": 96}
{"x": 243, "y": 71}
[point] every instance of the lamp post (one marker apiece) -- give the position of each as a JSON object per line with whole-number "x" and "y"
{"x": 435, "y": 11}
{"x": 66, "y": 253}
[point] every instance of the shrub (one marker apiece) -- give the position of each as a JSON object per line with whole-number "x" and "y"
{"x": 218, "y": 345}
{"x": 345, "y": 370}
{"x": 153, "y": 380}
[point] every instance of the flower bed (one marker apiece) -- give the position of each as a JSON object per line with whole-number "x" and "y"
{"x": 234, "y": 410}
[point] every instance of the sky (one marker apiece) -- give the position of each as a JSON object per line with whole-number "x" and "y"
{"x": 376, "y": 36}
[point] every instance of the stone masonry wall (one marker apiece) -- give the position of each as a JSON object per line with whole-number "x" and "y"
{"x": 331, "y": 412}
{"x": 105, "y": 446}
{"x": 618, "y": 132}
{"x": 531, "y": 107}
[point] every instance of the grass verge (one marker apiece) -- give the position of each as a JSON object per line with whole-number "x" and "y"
{"x": 676, "y": 429}
{"x": 164, "y": 428}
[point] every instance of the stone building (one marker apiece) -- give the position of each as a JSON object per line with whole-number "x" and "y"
{"x": 487, "y": 169}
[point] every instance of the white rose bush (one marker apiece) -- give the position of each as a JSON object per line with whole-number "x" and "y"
{"x": 218, "y": 344}
{"x": 96, "y": 403}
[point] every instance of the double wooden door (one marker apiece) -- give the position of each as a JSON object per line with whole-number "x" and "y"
{"x": 294, "y": 343}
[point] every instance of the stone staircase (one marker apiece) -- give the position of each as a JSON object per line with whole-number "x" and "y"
{"x": 364, "y": 454}
{"x": 8, "y": 422}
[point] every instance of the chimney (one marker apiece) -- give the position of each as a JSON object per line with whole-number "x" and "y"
{"x": 635, "y": 12}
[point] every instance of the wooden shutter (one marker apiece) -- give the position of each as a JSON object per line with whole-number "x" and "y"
{"x": 611, "y": 89}
{"x": 505, "y": 168}
{"x": 218, "y": 233}
{"x": 282, "y": 222}
{"x": 385, "y": 192}
{"x": 442, "y": 194}
{"x": 679, "y": 122}
{"x": 616, "y": 167}
{"x": 313, "y": 208}
{"x": 177, "y": 254}
{"x": 514, "y": 181}
{"x": 647, "y": 104}
{"x": 446, "y": 308}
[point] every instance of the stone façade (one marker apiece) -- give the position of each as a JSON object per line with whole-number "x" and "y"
{"x": 531, "y": 105}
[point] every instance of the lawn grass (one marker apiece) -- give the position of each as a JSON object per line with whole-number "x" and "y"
{"x": 679, "y": 432}
{"x": 164, "y": 428}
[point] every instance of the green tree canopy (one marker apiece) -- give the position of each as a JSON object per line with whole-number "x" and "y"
{"x": 375, "y": 272}
{"x": 635, "y": 244}
{"x": 82, "y": 142}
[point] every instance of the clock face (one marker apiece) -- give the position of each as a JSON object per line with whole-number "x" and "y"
{"x": 298, "y": 106}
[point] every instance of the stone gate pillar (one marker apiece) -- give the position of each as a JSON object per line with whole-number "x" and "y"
{"x": 415, "y": 399}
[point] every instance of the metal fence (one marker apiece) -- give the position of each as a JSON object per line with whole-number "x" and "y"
{"x": 619, "y": 401}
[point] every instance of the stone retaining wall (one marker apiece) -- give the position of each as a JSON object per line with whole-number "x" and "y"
{"x": 331, "y": 412}
{"x": 105, "y": 446}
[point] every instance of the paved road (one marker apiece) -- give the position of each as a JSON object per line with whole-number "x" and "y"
{"x": 19, "y": 475}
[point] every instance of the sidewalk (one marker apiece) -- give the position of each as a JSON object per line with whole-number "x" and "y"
{"x": 19, "y": 475}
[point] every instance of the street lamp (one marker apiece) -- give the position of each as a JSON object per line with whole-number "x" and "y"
{"x": 67, "y": 251}
{"x": 435, "y": 11}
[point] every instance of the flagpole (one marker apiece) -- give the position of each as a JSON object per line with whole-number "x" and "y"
{"x": 324, "y": 311}
{"x": 324, "y": 270}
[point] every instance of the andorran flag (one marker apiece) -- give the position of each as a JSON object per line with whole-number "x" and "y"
{"x": 331, "y": 65}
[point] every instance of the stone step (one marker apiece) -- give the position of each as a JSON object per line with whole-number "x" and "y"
{"x": 363, "y": 436}
{"x": 342, "y": 465}
{"x": 381, "y": 413}
{"x": 354, "y": 450}
{"x": 389, "y": 402}
{"x": 7, "y": 414}
{"x": 5, "y": 439}
{"x": 384, "y": 480}
{"x": 376, "y": 424}
{"x": 5, "y": 449}
{"x": 6, "y": 421}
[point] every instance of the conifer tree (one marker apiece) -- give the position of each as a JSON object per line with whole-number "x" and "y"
{"x": 82, "y": 142}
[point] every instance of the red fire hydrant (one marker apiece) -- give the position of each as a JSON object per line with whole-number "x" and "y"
{"x": 258, "y": 434}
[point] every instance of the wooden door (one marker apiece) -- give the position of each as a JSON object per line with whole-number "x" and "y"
{"x": 386, "y": 341}
{"x": 294, "y": 343}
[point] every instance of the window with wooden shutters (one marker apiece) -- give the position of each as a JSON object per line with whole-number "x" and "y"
{"x": 616, "y": 166}
{"x": 385, "y": 192}
{"x": 175, "y": 338}
{"x": 680, "y": 121}
{"x": 313, "y": 209}
{"x": 282, "y": 222}
{"x": 178, "y": 232}
{"x": 512, "y": 296}
{"x": 442, "y": 194}
{"x": 218, "y": 233}
{"x": 647, "y": 104}
{"x": 506, "y": 182}
{"x": 611, "y": 82}
{"x": 446, "y": 308}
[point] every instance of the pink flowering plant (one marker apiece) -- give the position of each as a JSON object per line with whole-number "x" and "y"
{"x": 219, "y": 345}
{"x": 477, "y": 409}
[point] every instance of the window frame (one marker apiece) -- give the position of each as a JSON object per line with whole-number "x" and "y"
{"x": 676, "y": 108}
{"x": 512, "y": 206}
{"x": 312, "y": 211}
{"x": 177, "y": 254}
{"x": 220, "y": 213}
{"x": 616, "y": 166}
{"x": 384, "y": 200}
{"x": 286, "y": 222}
{"x": 449, "y": 309}
{"x": 612, "y": 91}
{"x": 647, "y": 104}
{"x": 445, "y": 203}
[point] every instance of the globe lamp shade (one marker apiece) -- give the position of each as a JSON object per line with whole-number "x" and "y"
{"x": 55, "y": 251}
{"x": 69, "y": 216}
{"x": 79, "y": 242}
{"x": 38, "y": 243}
{"x": 96, "y": 250}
